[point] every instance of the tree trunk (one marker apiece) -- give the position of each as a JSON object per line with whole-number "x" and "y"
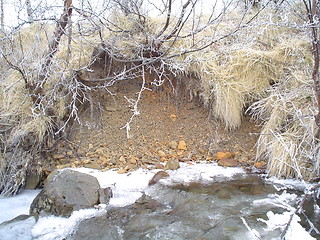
{"x": 37, "y": 87}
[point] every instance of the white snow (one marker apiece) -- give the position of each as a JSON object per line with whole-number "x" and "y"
{"x": 282, "y": 200}
{"x": 199, "y": 173}
{"x": 279, "y": 221}
{"x": 11, "y": 207}
{"x": 56, "y": 228}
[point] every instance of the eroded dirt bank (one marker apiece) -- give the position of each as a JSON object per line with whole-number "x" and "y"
{"x": 170, "y": 127}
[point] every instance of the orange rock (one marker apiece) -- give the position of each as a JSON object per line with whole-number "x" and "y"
{"x": 121, "y": 171}
{"x": 182, "y": 145}
{"x": 260, "y": 164}
{"x": 173, "y": 117}
{"x": 224, "y": 155}
{"x": 228, "y": 162}
{"x": 163, "y": 159}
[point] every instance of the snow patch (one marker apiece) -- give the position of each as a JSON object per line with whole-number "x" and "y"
{"x": 54, "y": 228}
{"x": 279, "y": 221}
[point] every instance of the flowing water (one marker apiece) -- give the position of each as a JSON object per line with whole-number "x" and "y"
{"x": 214, "y": 205}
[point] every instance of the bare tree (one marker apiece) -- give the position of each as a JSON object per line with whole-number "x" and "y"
{"x": 312, "y": 8}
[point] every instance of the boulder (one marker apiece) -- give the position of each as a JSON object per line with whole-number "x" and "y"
{"x": 66, "y": 191}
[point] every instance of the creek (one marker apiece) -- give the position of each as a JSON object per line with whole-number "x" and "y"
{"x": 201, "y": 202}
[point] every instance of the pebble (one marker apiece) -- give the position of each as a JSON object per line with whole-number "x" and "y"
{"x": 182, "y": 145}
{"x": 228, "y": 162}
{"x": 224, "y": 155}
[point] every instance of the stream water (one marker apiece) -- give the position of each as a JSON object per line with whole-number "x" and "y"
{"x": 195, "y": 202}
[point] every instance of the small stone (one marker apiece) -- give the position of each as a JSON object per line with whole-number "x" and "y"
{"x": 224, "y": 155}
{"x": 130, "y": 167}
{"x": 172, "y": 164}
{"x": 133, "y": 160}
{"x": 93, "y": 165}
{"x": 260, "y": 165}
{"x": 69, "y": 153}
{"x": 161, "y": 153}
{"x": 173, "y": 117}
{"x": 58, "y": 156}
{"x": 182, "y": 145}
{"x": 173, "y": 145}
{"x": 122, "y": 159}
{"x": 63, "y": 161}
{"x": 103, "y": 159}
{"x": 228, "y": 162}
{"x": 158, "y": 166}
{"x": 184, "y": 160}
{"x": 121, "y": 171}
{"x": 90, "y": 146}
{"x": 163, "y": 159}
{"x": 99, "y": 151}
{"x": 179, "y": 153}
{"x": 110, "y": 109}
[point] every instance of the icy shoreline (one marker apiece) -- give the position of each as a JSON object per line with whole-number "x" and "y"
{"x": 127, "y": 188}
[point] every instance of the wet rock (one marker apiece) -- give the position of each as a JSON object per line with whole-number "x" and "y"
{"x": 67, "y": 191}
{"x": 104, "y": 195}
{"x": 228, "y": 162}
{"x": 159, "y": 175}
{"x": 182, "y": 145}
{"x": 172, "y": 164}
{"x": 224, "y": 155}
{"x": 107, "y": 226}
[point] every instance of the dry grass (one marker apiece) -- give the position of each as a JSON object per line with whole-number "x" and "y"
{"x": 288, "y": 139}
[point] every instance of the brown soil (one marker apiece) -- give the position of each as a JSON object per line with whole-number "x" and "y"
{"x": 165, "y": 120}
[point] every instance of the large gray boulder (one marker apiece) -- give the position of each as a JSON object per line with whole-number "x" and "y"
{"x": 66, "y": 191}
